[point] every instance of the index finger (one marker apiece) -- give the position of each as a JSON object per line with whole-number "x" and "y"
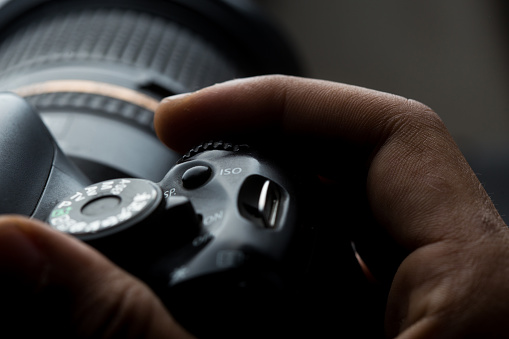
{"x": 289, "y": 104}
{"x": 419, "y": 185}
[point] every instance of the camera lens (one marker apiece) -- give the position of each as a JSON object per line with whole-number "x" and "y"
{"x": 96, "y": 70}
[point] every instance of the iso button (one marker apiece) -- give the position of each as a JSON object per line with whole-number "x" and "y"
{"x": 106, "y": 208}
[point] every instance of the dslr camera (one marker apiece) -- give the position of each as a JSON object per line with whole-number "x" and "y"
{"x": 225, "y": 235}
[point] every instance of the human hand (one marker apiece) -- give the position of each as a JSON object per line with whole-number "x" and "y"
{"x": 454, "y": 282}
{"x": 53, "y": 284}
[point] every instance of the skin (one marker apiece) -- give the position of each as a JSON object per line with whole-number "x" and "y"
{"x": 53, "y": 284}
{"x": 419, "y": 187}
{"x": 453, "y": 282}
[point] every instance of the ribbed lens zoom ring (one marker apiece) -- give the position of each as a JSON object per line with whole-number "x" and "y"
{"x": 113, "y": 36}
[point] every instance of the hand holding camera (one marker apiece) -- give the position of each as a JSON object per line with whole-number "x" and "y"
{"x": 227, "y": 240}
{"x": 408, "y": 220}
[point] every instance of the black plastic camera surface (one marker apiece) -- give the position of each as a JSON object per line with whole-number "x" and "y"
{"x": 213, "y": 238}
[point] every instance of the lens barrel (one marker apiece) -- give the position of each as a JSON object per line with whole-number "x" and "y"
{"x": 96, "y": 70}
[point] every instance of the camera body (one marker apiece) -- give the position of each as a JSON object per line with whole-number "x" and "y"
{"x": 220, "y": 238}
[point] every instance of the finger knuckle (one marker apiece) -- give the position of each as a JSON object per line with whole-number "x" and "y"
{"x": 410, "y": 120}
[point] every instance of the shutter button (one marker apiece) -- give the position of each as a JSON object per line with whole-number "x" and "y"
{"x": 196, "y": 176}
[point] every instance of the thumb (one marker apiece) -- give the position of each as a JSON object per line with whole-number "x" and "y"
{"x": 51, "y": 283}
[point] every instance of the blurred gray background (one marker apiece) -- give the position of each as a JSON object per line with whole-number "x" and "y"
{"x": 452, "y": 55}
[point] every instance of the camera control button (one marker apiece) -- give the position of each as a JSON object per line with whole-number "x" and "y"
{"x": 196, "y": 176}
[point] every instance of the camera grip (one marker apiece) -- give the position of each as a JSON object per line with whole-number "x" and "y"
{"x": 34, "y": 174}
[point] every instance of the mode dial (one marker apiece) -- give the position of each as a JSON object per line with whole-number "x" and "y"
{"x": 128, "y": 220}
{"x": 106, "y": 208}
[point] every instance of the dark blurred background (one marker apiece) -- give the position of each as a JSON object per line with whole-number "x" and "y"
{"x": 451, "y": 55}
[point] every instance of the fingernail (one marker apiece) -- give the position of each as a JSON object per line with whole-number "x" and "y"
{"x": 177, "y": 96}
{"x": 21, "y": 262}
